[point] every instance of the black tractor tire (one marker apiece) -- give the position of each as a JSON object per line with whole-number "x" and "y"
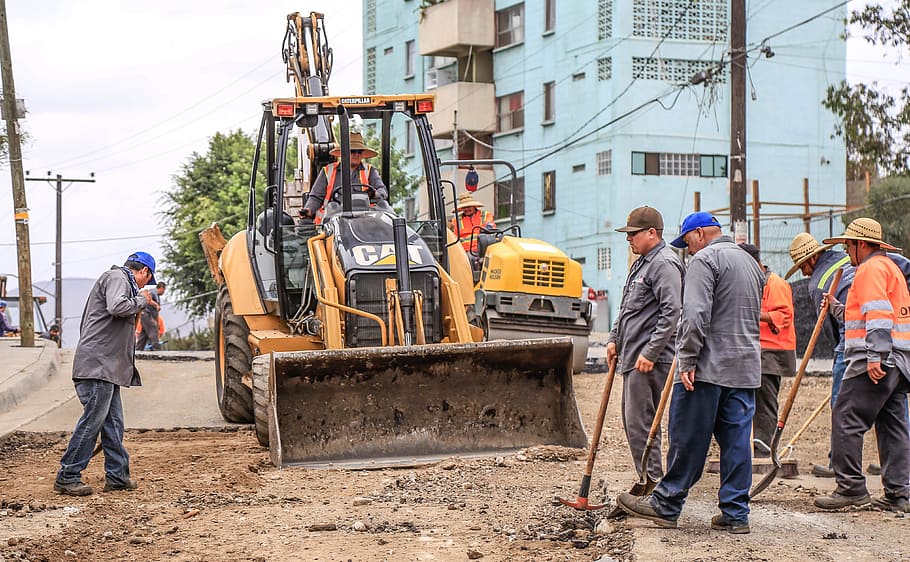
{"x": 261, "y": 398}
{"x": 233, "y": 361}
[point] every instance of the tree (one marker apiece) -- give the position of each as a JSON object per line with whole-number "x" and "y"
{"x": 211, "y": 187}
{"x": 889, "y": 202}
{"x": 874, "y": 124}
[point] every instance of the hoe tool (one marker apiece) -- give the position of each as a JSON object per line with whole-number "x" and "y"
{"x": 645, "y": 485}
{"x": 818, "y": 410}
{"x": 788, "y": 405}
{"x": 581, "y": 503}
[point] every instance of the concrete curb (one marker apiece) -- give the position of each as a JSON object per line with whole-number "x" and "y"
{"x": 27, "y": 369}
{"x": 176, "y": 355}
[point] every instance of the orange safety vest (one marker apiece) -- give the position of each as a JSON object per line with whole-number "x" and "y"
{"x": 877, "y": 314}
{"x": 479, "y": 218}
{"x": 777, "y": 300}
{"x": 331, "y": 171}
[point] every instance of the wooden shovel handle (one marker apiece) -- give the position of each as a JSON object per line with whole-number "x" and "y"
{"x": 822, "y": 316}
{"x": 664, "y": 398}
{"x": 601, "y": 414}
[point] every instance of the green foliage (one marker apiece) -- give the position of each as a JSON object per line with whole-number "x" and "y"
{"x": 211, "y": 187}
{"x": 875, "y": 125}
{"x": 195, "y": 341}
{"x": 889, "y": 203}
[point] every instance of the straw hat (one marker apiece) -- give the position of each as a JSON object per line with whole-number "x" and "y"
{"x": 803, "y": 247}
{"x": 356, "y": 144}
{"x": 465, "y": 200}
{"x": 865, "y": 229}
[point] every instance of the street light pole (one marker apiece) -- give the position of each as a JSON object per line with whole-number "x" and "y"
{"x": 58, "y": 258}
{"x": 20, "y": 213}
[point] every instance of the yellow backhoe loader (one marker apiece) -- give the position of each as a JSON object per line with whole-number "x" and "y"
{"x": 348, "y": 342}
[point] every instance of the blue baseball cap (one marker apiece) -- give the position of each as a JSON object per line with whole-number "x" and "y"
{"x": 698, "y": 219}
{"x": 146, "y": 260}
{"x": 2, "y": 303}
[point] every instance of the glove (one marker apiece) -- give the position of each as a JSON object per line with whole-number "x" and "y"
{"x": 306, "y": 214}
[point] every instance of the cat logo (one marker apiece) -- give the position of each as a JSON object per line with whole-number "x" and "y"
{"x": 383, "y": 254}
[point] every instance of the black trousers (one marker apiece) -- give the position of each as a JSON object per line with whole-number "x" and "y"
{"x": 765, "y": 420}
{"x": 861, "y": 405}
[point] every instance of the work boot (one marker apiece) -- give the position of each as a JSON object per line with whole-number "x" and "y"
{"x": 840, "y": 501}
{"x": 640, "y": 506}
{"x": 874, "y": 469}
{"x": 120, "y": 486}
{"x": 73, "y": 489}
{"x": 891, "y": 503}
{"x": 822, "y": 471}
{"x": 721, "y": 523}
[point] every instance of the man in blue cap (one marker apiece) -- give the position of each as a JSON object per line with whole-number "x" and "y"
{"x": 105, "y": 361}
{"x": 719, "y": 367}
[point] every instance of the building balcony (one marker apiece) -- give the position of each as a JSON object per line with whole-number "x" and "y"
{"x": 455, "y": 27}
{"x": 475, "y": 103}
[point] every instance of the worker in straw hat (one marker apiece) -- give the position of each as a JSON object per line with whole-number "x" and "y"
{"x": 877, "y": 378}
{"x": 819, "y": 263}
{"x": 364, "y": 177}
{"x": 469, "y": 219}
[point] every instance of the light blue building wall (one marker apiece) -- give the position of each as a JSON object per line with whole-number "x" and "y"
{"x": 788, "y": 131}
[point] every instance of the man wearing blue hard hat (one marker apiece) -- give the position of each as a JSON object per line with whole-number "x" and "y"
{"x": 105, "y": 361}
{"x": 719, "y": 367}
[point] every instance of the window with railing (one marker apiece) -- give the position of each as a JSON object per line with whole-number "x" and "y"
{"x": 510, "y": 25}
{"x": 503, "y": 197}
{"x": 677, "y": 164}
{"x": 510, "y": 112}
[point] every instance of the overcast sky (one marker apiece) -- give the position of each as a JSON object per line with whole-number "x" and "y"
{"x": 128, "y": 90}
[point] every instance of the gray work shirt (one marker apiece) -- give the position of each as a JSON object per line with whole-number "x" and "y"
{"x": 718, "y": 327}
{"x": 649, "y": 311}
{"x": 107, "y": 335}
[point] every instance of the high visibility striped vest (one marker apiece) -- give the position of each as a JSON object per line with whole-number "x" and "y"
{"x": 877, "y": 313}
{"x": 479, "y": 218}
{"x": 830, "y": 271}
{"x": 331, "y": 172}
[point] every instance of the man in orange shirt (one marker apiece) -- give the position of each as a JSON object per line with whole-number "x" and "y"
{"x": 468, "y": 221}
{"x": 777, "y": 335}
{"x": 877, "y": 354}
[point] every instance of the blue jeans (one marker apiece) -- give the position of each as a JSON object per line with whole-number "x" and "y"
{"x": 837, "y": 376}
{"x": 102, "y": 413}
{"x": 725, "y": 413}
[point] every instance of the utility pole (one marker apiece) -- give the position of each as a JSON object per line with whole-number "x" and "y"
{"x": 738, "y": 119}
{"x": 58, "y": 259}
{"x": 20, "y": 205}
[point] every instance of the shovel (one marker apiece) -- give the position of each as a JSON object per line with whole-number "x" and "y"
{"x": 581, "y": 502}
{"x": 788, "y": 405}
{"x": 645, "y": 485}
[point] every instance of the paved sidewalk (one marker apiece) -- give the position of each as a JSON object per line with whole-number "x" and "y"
{"x": 24, "y": 373}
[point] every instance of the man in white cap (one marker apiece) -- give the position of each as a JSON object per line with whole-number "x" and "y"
{"x": 364, "y": 177}
{"x": 877, "y": 355}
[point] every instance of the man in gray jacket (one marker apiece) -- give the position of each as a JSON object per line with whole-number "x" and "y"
{"x": 645, "y": 330}
{"x": 104, "y": 361}
{"x": 719, "y": 358}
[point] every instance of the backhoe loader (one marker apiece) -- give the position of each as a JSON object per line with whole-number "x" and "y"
{"x": 347, "y": 343}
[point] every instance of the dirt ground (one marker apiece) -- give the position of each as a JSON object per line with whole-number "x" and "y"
{"x": 213, "y": 495}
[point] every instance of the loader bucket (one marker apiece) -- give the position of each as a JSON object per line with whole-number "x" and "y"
{"x": 405, "y": 406}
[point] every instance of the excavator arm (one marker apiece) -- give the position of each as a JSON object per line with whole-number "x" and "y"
{"x": 309, "y": 64}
